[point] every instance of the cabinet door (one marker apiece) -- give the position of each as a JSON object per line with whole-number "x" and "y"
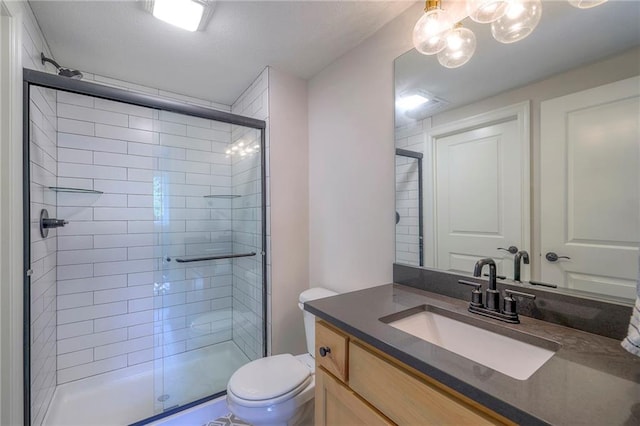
{"x": 409, "y": 400}
{"x": 338, "y": 405}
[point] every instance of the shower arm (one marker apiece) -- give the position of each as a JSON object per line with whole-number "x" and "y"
{"x": 44, "y": 60}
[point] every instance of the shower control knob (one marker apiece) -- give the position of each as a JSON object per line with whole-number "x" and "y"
{"x": 324, "y": 350}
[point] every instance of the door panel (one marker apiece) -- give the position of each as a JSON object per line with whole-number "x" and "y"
{"x": 590, "y": 158}
{"x": 478, "y": 193}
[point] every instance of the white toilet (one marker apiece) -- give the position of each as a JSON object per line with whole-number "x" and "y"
{"x": 278, "y": 390}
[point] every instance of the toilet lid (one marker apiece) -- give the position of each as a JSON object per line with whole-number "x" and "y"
{"x": 268, "y": 378}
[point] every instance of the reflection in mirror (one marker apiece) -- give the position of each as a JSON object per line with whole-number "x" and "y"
{"x": 533, "y": 144}
{"x": 409, "y": 216}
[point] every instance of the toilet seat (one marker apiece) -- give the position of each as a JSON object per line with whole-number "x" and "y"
{"x": 269, "y": 380}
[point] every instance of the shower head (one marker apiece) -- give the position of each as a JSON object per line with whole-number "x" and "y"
{"x": 64, "y": 72}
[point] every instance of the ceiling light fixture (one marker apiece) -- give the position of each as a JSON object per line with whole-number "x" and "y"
{"x": 485, "y": 11}
{"x": 461, "y": 44}
{"x": 430, "y": 28}
{"x": 190, "y": 15}
{"x": 586, "y": 4}
{"x": 411, "y": 101}
{"x": 439, "y": 31}
{"x": 520, "y": 19}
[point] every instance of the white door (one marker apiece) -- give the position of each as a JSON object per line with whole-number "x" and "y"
{"x": 479, "y": 197}
{"x": 590, "y": 173}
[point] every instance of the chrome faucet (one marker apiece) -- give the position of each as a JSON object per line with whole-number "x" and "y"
{"x": 493, "y": 295}
{"x": 522, "y": 254}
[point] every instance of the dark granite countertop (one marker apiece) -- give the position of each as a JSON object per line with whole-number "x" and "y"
{"x": 590, "y": 380}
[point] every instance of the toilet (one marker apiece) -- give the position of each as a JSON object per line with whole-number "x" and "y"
{"x": 279, "y": 389}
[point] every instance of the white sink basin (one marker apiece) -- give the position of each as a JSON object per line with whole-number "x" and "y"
{"x": 507, "y": 355}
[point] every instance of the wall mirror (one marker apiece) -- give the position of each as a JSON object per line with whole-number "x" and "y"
{"x": 533, "y": 146}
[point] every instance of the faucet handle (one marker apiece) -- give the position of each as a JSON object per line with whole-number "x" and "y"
{"x": 519, "y": 293}
{"x": 509, "y": 303}
{"x": 476, "y": 294}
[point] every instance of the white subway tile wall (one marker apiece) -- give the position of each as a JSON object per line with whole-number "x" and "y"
{"x": 121, "y": 301}
{"x": 409, "y": 137}
{"x": 247, "y": 222}
{"x": 43, "y": 250}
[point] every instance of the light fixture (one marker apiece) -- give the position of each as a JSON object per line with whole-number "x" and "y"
{"x": 191, "y": 15}
{"x": 485, "y": 11}
{"x": 511, "y": 21}
{"x": 520, "y": 19}
{"x": 411, "y": 101}
{"x": 586, "y": 4}
{"x": 460, "y": 46}
{"x": 429, "y": 30}
{"x": 242, "y": 148}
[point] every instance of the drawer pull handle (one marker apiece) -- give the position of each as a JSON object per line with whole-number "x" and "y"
{"x": 324, "y": 350}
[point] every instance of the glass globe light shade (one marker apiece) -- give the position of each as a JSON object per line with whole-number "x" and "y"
{"x": 460, "y": 46}
{"x": 485, "y": 11}
{"x": 428, "y": 34}
{"x": 520, "y": 19}
{"x": 586, "y": 4}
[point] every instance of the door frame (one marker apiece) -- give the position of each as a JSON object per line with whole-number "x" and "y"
{"x": 520, "y": 113}
{"x": 11, "y": 217}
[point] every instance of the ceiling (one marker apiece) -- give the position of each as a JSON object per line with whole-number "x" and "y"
{"x": 119, "y": 39}
{"x": 565, "y": 38}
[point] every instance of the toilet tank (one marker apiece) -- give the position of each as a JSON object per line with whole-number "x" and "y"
{"x": 309, "y": 319}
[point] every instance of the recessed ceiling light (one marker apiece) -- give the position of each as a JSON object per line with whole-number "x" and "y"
{"x": 411, "y": 101}
{"x": 191, "y": 15}
{"x": 185, "y": 14}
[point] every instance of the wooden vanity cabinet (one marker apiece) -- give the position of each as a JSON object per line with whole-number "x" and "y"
{"x": 357, "y": 384}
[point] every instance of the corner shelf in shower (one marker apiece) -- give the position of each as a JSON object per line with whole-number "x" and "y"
{"x": 74, "y": 190}
{"x": 224, "y": 196}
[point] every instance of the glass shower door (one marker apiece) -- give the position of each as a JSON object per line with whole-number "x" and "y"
{"x": 208, "y": 296}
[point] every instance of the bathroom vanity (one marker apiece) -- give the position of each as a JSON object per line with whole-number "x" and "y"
{"x": 374, "y": 373}
{"x": 358, "y": 384}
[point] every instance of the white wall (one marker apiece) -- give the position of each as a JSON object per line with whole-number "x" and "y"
{"x": 351, "y": 162}
{"x": 289, "y": 159}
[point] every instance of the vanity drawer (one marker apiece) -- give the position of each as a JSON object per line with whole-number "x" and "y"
{"x": 407, "y": 398}
{"x": 333, "y": 344}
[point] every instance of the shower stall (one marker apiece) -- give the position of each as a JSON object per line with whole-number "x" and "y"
{"x": 145, "y": 252}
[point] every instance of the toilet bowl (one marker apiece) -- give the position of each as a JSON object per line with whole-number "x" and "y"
{"x": 279, "y": 389}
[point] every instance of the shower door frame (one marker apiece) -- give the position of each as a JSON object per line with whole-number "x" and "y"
{"x": 56, "y": 82}
{"x": 418, "y": 157}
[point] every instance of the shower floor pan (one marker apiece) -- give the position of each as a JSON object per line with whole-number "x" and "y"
{"x": 129, "y": 395}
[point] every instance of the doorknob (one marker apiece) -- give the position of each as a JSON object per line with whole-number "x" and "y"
{"x": 511, "y": 249}
{"x": 552, "y": 257}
